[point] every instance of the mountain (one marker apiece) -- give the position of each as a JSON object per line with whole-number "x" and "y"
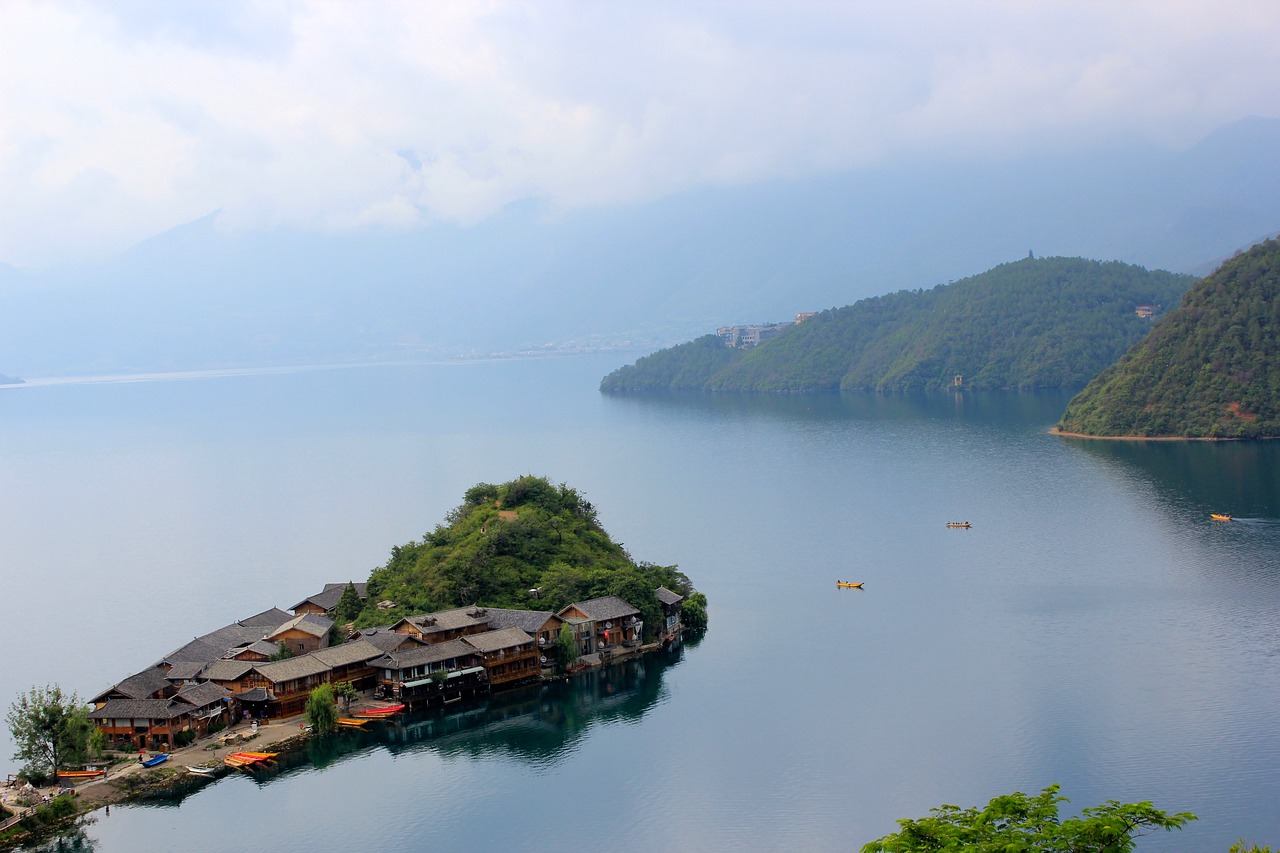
{"x": 639, "y": 277}
{"x": 1209, "y": 369}
{"x": 1035, "y": 323}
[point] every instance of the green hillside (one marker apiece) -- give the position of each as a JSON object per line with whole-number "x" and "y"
{"x": 506, "y": 540}
{"x": 1034, "y": 323}
{"x": 1209, "y": 369}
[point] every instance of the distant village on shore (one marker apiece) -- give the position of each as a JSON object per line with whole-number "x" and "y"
{"x": 432, "y": 659}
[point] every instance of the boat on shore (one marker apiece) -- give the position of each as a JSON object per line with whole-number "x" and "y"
{"x": 155, "y": 759}
{"x": 849, "y": 584}
{"x": 354, "y": 723}
{"x": 1219, "y": 516}
{"x": 384, "y": 711}
{"x": 81, "y": 774}
{"x": 203, "y": 769}
{"x": 248, "y": 759}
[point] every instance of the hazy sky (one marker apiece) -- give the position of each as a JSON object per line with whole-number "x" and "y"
{"x": 119, "y": 120}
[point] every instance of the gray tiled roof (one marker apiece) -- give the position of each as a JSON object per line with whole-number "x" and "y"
{"x": 423, "y": 655}
{"x": 256, "y": 694}
{"x": 267, "y": 619}
{"x": 356, "y": 651}
{"x": 328, "y": 598}
{"x": 450, "y": 620}
{"x": 184, "y": 670}
{"x": 310, "y": 623}
{"x": 529, "y": 621}
{"x": 140, "y": 685}
{"x": 289, "y": 669}
{"x": 492, "y": 641}
{"x": 196, "y": 650}
{"x": 200, "y": 695}
{"x": 139, "y": 709}
{"x": 262, "y": 647}
{"x": 226, "y": 670}
{"x": 386, "y": 639}
{"x": 668, "y": 597}
{"x": 605, "y": 607}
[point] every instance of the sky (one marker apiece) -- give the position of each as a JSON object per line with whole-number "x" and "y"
{"x": 121, "y": 120}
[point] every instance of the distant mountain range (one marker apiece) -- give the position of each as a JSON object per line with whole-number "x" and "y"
{"x": 1210, "y": 368}
{"x": 635, "y": 278}
{"x": 1035, "y": 323}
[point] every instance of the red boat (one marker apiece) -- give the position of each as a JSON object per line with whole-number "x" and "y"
{"x": 385, "y": 711}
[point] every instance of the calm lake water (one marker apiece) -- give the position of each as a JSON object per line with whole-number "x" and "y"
{"x": 1093, "y": 628}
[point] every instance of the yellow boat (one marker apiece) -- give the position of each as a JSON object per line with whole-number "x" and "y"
{"x": 1218, "y": 516}
{"x": 849, "y": 584}
{"x": 963, "y": 524}
{"x": 353, "y": 723}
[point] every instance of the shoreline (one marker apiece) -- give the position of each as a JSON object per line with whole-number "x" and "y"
{"x": 1210, "y": 438}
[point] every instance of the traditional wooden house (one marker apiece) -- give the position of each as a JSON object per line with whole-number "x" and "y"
{"x": 324, "y": 602}
{"x": 149, "y": 684}
{"x": 384, "y": 638}
{"x": 509, "y": 655}
{"x": 289, "y": 682}
{"x": 258, "y": 652}
{"x": 542, "y": 625}
{"x": 604, "y": 624}
{"x": 161, "y": 723}
{"x": 302, "y": 634}
{"x": 235, "y": 675}
{"x": 671, "y": 611}
{"x": 445, "y": 624}
{"x": 431, "y": 673}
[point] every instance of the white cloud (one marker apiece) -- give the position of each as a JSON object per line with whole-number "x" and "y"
{"x": 119, "y": 121}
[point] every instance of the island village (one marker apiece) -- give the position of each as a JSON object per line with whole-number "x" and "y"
{"x": 209, "y": 695}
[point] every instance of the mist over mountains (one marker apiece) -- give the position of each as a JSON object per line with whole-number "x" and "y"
{"x": 639, "y": 277}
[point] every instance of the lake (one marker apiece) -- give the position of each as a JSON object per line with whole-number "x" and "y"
{"x": 1093, "y": 628}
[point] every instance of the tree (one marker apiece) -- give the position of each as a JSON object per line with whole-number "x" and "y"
{"x": 322, "y": 710}
{"x": 566, "y": 647}
{"x": 349, "y": 605}
{"x": 1016, "y": 822}
{"x": 282, "y": 652}
{"x": 50, "y": 729}
{"x": 694, "y": 613}
{"x": 345, "y": 691}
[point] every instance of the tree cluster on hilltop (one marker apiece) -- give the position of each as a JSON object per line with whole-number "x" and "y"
{"x": 1034, "y": 323}
{"x": 1209, "y": 369}
{"x": 523, "y": 544}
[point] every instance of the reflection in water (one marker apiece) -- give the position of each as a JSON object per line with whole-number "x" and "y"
{"x": 1235, "y": 477}
{"x": 1028, "y": 408}
{"x": 538, "y": 725}
{"x": 75, "y": 840}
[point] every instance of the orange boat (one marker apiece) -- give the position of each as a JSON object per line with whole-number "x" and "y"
{"x": 849, "y": 584}
{"x": 247, "y": 759}
{"x": 1219, "y": 516}
{"x": 80, "y": 774}
{"x": 385, "y": 711}
{"x": 350, "y": 723}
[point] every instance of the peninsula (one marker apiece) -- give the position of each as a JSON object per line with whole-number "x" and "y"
{"x": 1210, "y": 369}
{"x": 1033, "y": 323}
{"x": 520, "y": 584}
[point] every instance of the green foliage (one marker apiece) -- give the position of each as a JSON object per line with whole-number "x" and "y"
{"x": 349, "y": 605}
{"x": 282, "y": 652}
{"x": 1209, "y": 369}
{"x": 97, "y": 743}
{"x": 1016, "y": 822}
{"x": 1034, "y": 323}
{"x": 322, "y": 710}
{"x": 50, "y": 729}
{"x": 1242, "y": 846}
{"x": 566, "y": 648}
{"x": 184, "y": 738}
{"x": 507, "y": 539}
{"x": 694, "y": 613}
{"x": 345, "y": 691}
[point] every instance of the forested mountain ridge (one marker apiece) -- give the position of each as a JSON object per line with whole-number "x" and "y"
{"x": 1209, "y": 369}
{"x": 1034, "y": 323}
{"x": 506, "y": 540}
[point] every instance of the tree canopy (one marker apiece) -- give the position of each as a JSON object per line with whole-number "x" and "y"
{"x": 523, "y": 544}
{"x": 1209, "y": 369}
{"x": 1034, "y": 323}
{"x": 1017, "y": 823}
{"x": 50, "y": 728}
